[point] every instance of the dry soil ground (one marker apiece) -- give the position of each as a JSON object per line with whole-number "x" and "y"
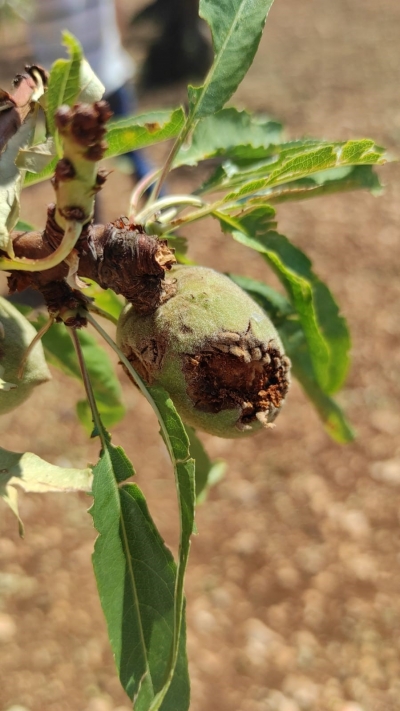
{"x": 294, "y": 581}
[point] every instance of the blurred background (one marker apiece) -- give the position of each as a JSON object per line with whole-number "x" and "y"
{"x": 294, "y": 578}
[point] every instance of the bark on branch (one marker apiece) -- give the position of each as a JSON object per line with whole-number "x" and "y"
{"x": 117, "y": 256}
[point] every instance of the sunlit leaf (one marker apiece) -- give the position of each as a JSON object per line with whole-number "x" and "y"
{"x": 177, "y": 443}
{"x": 136, "y": 578}
{"x": 64, "y": 82}
{"x": 224, "y": 132}
{"x": 105, "y": 299}
{"x": 331, "y": 414}
{"x": 285, "y": 166}
{"x": 24, "y": 226}
{"x": 337, "y": 180}
{"x": 324, "y": 328}
{"x": 71, "y": 80}
{"x": 293, "y": 338}
{"x": 275, "y": 304}
{"x": 236, "y": 27}
{"x": 143, "y": 130}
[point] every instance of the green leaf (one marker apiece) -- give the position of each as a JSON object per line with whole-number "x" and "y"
{"x": 331, "y": 414}
{"x": 136, "y": 578}
{"x": 177, "y": 442}
{"x": 24, "y": 226}
{"x": 236, "y": 27}
{"x": 64, "y": 80}
{"x": 33, "y": 474}
{"x": 105, "y": 299}
{"x": 143, "y": 130}
{"x": 61, "y": 353}
{"x": 293, "y": 338}
{"x": 222, "y": 133}
{"x": 208, "y": 473}
{"x": 127, "y": 135}
{"x": 180, "y": 244}
{"x": 176, "y": 439}
{"x": 361, "y": 177}
{"x": 264, "y": 170}
{"x": 278, "y": 307}
{"x": 325, "y": 330}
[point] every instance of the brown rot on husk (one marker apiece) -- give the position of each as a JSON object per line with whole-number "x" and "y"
{"x": 213, "y": 349}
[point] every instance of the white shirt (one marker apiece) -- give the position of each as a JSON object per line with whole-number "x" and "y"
{"x": 94, "y": 24}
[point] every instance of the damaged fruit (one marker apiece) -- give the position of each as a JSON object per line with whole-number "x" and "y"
{"x": 16, "y": 333}
{"x": 214, "y": 350}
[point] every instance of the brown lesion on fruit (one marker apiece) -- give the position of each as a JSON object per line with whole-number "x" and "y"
{"x": 237, "y": 370}
{"x": 147, "y": 359}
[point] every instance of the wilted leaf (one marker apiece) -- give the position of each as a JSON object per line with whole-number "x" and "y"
{"x": 90, "y": 87}
{"x": 45, "y": 174}
{"x": 4, "y": 385}
{"x": 21, "y": 136}
{"x": 36, "y": 158}
{"x": 33, "y": 474}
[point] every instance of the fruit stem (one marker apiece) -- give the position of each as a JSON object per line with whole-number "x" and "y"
{"x": 101, "y": 312}
{"x": 99, "y": 429}
{"x": 169, "y": 201}
{"x": 137, "y": 193}
{"x": 189, "y": 125}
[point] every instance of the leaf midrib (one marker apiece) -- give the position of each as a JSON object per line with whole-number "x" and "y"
{"x": 217, "y": 61}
